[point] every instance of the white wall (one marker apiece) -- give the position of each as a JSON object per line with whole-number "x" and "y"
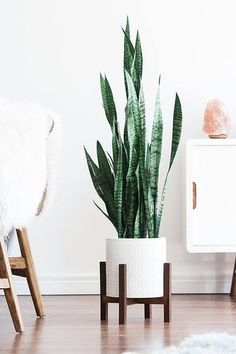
{"x": 52, "y": 51}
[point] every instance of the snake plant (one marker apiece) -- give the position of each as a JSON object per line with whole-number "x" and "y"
{"x": 127, "y": 179}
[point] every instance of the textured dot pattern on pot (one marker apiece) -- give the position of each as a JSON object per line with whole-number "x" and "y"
{"x": 145, "y": 260}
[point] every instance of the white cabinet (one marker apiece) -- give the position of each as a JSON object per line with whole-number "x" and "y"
{"x": 211, "y": 195}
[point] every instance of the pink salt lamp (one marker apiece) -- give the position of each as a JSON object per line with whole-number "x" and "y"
{"x": 216, "y": 120}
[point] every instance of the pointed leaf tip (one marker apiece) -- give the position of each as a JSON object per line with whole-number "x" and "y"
{"x": 127, "y": 21}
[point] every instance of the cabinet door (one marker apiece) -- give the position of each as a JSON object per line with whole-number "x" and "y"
{"x": 211, "y": 198}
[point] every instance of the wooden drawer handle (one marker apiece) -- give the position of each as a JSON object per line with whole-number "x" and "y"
{"x": 194, "y": 195}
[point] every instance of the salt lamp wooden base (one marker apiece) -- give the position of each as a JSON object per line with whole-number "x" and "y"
{"x": 219, "y": 136}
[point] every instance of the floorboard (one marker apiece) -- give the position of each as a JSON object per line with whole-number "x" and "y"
{"x": 72, "y": 325}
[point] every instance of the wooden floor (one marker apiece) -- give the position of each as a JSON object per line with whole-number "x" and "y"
{"x": 72, "y": 325}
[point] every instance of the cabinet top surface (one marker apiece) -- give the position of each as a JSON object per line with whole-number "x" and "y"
{"x": 208, "y": 141}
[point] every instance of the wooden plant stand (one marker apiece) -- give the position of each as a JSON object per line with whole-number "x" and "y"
{"x": 124, "y": 301}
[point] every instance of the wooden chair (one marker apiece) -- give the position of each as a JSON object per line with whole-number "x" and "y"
{"x": 22, "y": 266}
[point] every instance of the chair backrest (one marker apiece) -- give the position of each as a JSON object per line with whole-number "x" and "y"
{"x": 24, "y": 162}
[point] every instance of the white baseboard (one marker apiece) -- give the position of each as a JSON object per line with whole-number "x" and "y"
{"x": 89, "y": 284}
{"x": 201, "y": 283}
{"x": 62, "y": 285}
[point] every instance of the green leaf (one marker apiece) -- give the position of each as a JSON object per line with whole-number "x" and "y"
{"x": 102, "y": 188}
{"x": 132, "y": 202}
{"x": 155, "y": 157}
{"x": 176, "y": 134}
{"x": 127, "y": 27}
{"x": 140, "y": 230}
{"x": 138, "y": 56}
{"x": 133, "y": 123}
{"x": 132, "y": 103}
{"x": 128, "y": 53}
{"x": 142, "y": 129}
{"x": 104, "y": 166}
{"x": 108, "y": 101}
{"x": 144, "y": 210}
{"x": 115, "y": 147}
{"x": 137, "y": 65}
{"x": 126, "y": 138}
{"x": 118, "y": 191}
{"x": 107, "y": 216}
{"x": 92, "y": 168}
{"x": 142, "y": 216}
{"x": 133, "y": 132}
{"x": 111, "y": 163}
{"x": 128, "y": 49}
{"x": 177, "y": 128}
{"x": 125, "y": 171}
{"x": 133, "y": 141}
{"x": 147, "y": 164}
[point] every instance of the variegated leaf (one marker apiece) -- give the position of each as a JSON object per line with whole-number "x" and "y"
{"x": 176, "y": 134}
{"x": 108, "y": 101}
{"x": 155, "y": 158}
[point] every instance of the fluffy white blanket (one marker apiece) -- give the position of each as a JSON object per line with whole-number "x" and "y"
{"x": 209, "y": 343}
{"x": 28, "y": 155}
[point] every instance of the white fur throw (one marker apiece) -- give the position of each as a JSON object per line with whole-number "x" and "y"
{"x": 209, "y": 343}
{"x": 27, "y": 161}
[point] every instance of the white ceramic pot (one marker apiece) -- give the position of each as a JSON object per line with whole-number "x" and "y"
{"x": 144, "y": 259}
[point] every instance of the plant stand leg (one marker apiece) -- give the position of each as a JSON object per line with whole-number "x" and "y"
{"x": 167, "y": 292}
{"x": 147, "y": 311}
{"x": 122, "y": 294}
{"x": 233, "y": 284}
{"x": 103, "y": 291}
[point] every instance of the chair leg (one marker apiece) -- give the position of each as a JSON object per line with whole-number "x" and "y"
{"x": 10, "y": 293}
{"x": 30, "y": 272}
